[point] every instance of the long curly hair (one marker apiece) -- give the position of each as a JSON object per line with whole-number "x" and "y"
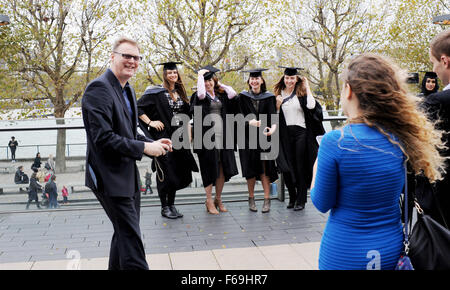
{"x": 386, "y": 104}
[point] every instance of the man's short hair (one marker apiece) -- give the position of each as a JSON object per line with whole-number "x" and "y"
{"x": 124, "y": 39}
{"x": 440, "y": 45}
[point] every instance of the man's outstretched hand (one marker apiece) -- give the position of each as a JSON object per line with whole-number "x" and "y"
{"x": 158, "y": 147}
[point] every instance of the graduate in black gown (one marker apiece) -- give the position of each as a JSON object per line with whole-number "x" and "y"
{"x": 300, "y": 121}
{"x": 157, "y": 107}
{"x": 258, "y": 101}
{"x": 430, "y": 84}
{"x": 217, "y": 163}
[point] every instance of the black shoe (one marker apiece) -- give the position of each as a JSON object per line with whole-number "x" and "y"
{"x": 166, "y": 212}
{"x": 290, "y": 205}
{"x": 298, "y": 207}
{"x": 175, "y": 211}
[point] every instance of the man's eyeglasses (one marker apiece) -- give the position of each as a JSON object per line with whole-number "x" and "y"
{"x": 129, "y": 56}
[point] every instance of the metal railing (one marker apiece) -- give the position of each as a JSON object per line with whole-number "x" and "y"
{"x": 333, "y": 121}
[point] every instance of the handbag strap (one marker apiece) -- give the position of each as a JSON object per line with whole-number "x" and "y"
{"x": 405, "y": 204}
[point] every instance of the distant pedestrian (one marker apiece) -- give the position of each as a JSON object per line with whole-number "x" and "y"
{"x": 50, "y": 164}
{"x": 33, "y": 190}
{"x": 52, "y": 191}
{"x": 21, "y": 177}
{"x": 37, "y": 161}
{"x": 65, "y": 194}
{"x": 148, "y": 182}
{"x": 13, "y": 146}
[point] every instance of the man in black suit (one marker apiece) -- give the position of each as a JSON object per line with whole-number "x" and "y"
{"x": 437, "y": 106}
{"x": 113, "y": 146}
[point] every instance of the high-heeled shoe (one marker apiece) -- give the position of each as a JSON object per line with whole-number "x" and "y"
{"x": 219, "y": 205}
{"x": 210, "y": 208}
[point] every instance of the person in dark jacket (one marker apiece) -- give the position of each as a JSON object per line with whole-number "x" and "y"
{"x": 437, "y": 106}
{"x": 33, "y": 190}
{"x": 52, "y": 191}
{"x": 217, "y": 164}
{"x": 20, "y": 176}
{"x": 161, "y": 109}
{"x": 148, "y": 182}
{"x": 261, "y": 103}
{"x": 300, "y": 123}
{"x": 12, "y": 144}
{"x": 113, "y": 146}
{"x": 37, "y": 161}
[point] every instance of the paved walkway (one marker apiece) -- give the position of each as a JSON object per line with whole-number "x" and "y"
{"x": 239, "y": 239}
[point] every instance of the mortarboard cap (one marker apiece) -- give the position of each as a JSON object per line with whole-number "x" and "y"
{"x": 171, "y": 65}
{"x": 290, "y": 71}
{"x": 256, "y": 72}
{"x": 211, "y": 71}
{"x": 430, "y": 74}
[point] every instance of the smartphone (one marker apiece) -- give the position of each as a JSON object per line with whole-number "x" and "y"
{"x": 319, "y": 139}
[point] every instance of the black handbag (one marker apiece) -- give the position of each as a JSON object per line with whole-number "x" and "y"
{"x": 429, "y": 243}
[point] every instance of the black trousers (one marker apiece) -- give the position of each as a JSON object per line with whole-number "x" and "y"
{"x": 13, "y": 153}
{"x": 127, "y": 250}
{"x": 32, "y": 198}
{"x": 167, "y": 196}
{"x": 297, "y": 142}
{"x": 443, "y": 200}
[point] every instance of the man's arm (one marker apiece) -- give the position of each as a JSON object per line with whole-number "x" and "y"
{"x": 98, "y": 105}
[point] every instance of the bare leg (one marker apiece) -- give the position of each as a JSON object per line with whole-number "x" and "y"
{"x": 209, "y": 203}
{"x": 266, "y": 185}
{"x": 251, "y": 187}
{"x": 220, "y": 181}
{"x": 265, "y": 180}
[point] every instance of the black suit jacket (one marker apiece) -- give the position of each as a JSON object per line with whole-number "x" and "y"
{"x": 113, "y": 144}
{"x": 437, "y": 106}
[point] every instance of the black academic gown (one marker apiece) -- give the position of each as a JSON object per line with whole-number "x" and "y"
{"x": 209, "y": 158}
{"x": 314, "y": 127}
{"x": 251, "y": 163}
{"x": 177, "y": 166}
{"x": 437, "y": 106}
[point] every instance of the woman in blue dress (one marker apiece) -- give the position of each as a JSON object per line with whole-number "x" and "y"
{"x": 359, "y": 174}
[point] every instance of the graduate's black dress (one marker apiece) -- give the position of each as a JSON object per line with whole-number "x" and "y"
{"x": 177, "y": 166}
{"x": 298, "y": 178}
{"x": 251, "y": 161}
{"x": 209, "y": 158}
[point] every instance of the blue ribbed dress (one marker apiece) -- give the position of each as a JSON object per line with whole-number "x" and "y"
{"x": 359, "y": 178}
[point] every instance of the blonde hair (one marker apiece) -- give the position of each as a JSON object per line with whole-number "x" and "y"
{"x": 124, "y": 39}
{"x": 386, "y": 104}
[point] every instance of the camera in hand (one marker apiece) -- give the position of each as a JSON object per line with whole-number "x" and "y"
{"x": 413, "y": 78}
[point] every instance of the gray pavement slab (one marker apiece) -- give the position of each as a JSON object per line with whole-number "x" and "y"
{"x": 50, "y": 235}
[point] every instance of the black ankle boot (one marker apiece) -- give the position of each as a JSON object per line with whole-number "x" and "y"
{"x": 175, "y": 211}
{"x": 299, "y": 206}
{"x": 166, "y": 212}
